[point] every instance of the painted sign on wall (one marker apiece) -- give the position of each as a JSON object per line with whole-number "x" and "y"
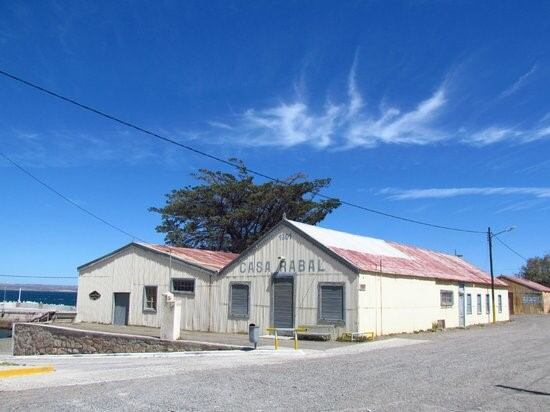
{"x": 291, "y": 266}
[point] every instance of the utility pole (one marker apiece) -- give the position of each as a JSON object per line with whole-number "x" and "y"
{"x": 490, "y": 236}
{"x": 490, "y": 240}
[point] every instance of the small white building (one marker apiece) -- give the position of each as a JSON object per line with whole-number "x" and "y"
{"x": 124, "y": 286}
{"x": 295, "y": 275}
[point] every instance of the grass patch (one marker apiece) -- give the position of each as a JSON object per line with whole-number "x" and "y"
{"x": 4, "y": 363}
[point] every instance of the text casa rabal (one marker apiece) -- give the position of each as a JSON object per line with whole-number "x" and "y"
{"x": 292, "y": 266}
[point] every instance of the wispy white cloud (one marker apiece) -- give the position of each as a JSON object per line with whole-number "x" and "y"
{"x": 355, "y": 99}
{"x": 353, "y": 123}
{"x": 220, "y": 125}
{"x": 393, "y": 126}
{"x": 69, "y": 149}
{"x": 339, "y": 125}
{"x": 443, "y": 193}
{"x": 495, "y": 134}
{"x": 519, "y": 83}
{"x": 289, "y": 125}
{"x": 519, "y": 206}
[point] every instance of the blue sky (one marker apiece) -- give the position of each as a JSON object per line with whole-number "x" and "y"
{"x": 437, "y": 111}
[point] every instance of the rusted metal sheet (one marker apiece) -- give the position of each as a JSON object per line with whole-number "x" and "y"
{"x": 205, "y": 258}
{"x": 525, "y": 282}
{"x": 377, "y": 255}
{"x": 419, "y": 263}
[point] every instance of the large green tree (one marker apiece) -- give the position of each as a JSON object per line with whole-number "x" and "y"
{"x": 537, "y": 269}
{"x": 230, "y": 211}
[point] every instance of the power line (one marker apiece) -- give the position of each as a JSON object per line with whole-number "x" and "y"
{"x": 38, "y": 277}
{"x": 510, "y": 248}
{"x": 68, "y": 200}
{"x": 219, "y": 159}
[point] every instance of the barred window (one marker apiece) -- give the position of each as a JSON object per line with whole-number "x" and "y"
{"x": 488, "y": 303}
{"x": 469, "y": 304}
{"x": 499, "y": 303}
{"x": 150, "y": 298}
{"x": 447, "y": 298}
{"x": 182, "y": 285}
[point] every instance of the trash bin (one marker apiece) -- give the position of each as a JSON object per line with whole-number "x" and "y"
{"x": 253, "y": 334}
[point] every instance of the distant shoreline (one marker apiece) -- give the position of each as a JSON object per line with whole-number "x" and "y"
{"x": 40, "y": 298}
{"x": 37, "y": 287}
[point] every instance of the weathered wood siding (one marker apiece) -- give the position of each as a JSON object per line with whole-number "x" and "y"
{"x": 129, "y": 271}
{"x": 518, "y": 292}
{"x": 250, "y": 267}
{"x": 546, "y": 301}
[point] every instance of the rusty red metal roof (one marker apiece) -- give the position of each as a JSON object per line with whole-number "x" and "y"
{"x": 375, "y": 255}
{"x": 208, "y": 259}
{"x": 525, "y": 282}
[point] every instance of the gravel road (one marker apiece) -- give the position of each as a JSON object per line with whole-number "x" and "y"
{"x": 503, "y": 367}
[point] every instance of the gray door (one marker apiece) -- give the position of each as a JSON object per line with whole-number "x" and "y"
{"x": 122, "y": 307}
{"x": 283, "y": 302}
{"x": 461, "y": 317}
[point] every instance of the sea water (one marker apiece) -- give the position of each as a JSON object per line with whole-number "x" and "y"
{"x": 38, "y": 296}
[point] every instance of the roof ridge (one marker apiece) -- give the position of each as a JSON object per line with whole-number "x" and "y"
{"x": 380, "y": 239}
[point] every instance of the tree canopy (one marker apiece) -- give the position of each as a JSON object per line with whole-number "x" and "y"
{"x": 537, "y": 269}
{"x": 229, "y": 212}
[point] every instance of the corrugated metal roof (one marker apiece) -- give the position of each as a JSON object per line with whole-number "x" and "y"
{"x": 205, "y": 258}
{"x": 525, "y": 282}
{"x": 366, "y": 254}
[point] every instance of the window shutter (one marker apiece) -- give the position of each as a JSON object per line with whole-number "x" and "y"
{"x": 332, "y": 302}
{"x": 239, "y": 300}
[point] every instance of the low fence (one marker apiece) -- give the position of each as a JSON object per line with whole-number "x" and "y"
{"x": 40, "y": 339}
{"x": 10, "y": 314}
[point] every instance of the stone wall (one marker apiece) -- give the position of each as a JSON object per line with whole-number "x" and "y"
{"x": 43, "y": 339}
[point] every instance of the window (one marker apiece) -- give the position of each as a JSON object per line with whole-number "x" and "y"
{"x": 447, "y": 298}
{"x": 150, "y": 298}
{"x": 239, "y": 295}
{"x": 499, "y": 303}
{"x": 532, "y": 298}
{"x": 469, "y": 304}
{"x": 479, "y": 304}
{"x": 183, "y": 285}
{"x": 487, "y": 303}
{"x": 331, "y": 303}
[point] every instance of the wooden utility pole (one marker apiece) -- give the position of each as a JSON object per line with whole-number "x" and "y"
{"x": 490, "y": 240}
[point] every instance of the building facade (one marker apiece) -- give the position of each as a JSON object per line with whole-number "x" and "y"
{"x": 125, "y": 286}
{"x": 298, "y": 275}
{"x": 526, "y": 296}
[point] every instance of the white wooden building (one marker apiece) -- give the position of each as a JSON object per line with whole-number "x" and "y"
{"x": 295, "y": 275}
{"x": 124, "y": 286}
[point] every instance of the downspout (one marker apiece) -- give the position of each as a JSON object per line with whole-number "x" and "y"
{"x": 381, "y": 306}
{"x": 210, "y": 304}
{"x": 375, "y": 306}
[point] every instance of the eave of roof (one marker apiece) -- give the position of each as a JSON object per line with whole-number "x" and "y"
{"x": 525, "y": 282}
{"x": 209, "y": 259}
{"x": 190, "y": 257}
